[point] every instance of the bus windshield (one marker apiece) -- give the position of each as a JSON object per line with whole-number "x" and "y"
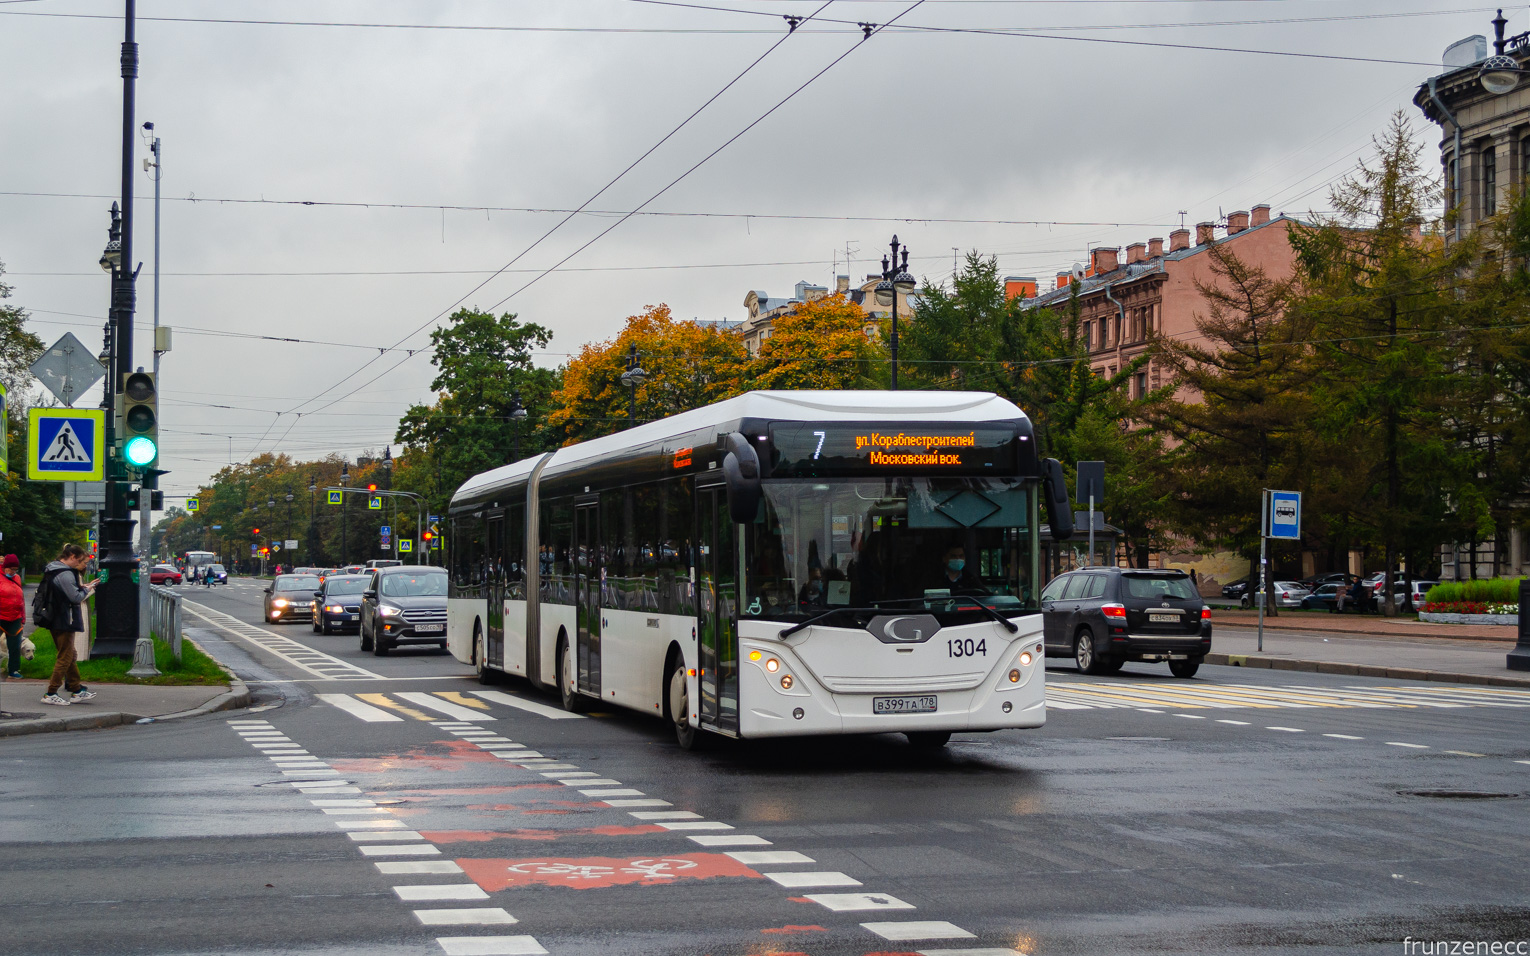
{"x": 894, "y": 542}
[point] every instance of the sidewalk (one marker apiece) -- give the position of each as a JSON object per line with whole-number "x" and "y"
{"x": 114, "y": 704}
{"x": 1368, "y": 647}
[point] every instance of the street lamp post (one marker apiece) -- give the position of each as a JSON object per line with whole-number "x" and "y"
{"x": 313, "y": 487}
{"x": 895, "y": 280}
{"x": 517, "y": 415}
{"x": 289, "y": 523}
{"x": 345, "y": 514}
{"x": 632, "y": 378}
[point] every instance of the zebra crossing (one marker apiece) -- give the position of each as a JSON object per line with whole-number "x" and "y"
{"x": 482, "y": 706}
{"x": 1080, "y": 695}
{"x": 319, "y": 664}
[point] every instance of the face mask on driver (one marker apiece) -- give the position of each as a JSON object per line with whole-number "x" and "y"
{"x": 956, "y": 564}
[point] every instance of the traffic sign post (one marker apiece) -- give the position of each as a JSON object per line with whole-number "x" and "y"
{"x": 336, "y": 497}
{"x": 405, "y": 546}
{"x": 374, "y": 502}
{"x": 192, "y": 504}
{"x": 1280, "y": 516}
{"x": 65, "y": 444}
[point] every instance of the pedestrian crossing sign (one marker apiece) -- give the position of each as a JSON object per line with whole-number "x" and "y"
{"x": 192, "y": 504}
{"x": 405, "y": 545}
{"x": 374, "y": 502}
{"x": 335, "y": 497}
{"x": 66, "y": 444}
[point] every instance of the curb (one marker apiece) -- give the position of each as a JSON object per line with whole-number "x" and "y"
{"x": 237, "y": 695}
{"x": 1364, "y": 670}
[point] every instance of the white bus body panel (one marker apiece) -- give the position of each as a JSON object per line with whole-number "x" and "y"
{"x": 461, "y": 615}
{"x": 515, "y": 638}
{"x": 970, "y": 691}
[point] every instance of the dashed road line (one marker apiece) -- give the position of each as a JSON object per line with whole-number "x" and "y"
{"x": 1394, "y": 743}
{"x": 320, "y": 665}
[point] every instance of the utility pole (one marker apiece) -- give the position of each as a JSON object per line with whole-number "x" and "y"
{"x": 146, "y": 493}
{"x": 116, "y": 608}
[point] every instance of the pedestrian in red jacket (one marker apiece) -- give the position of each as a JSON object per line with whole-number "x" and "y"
{"x": 13, "y": 611}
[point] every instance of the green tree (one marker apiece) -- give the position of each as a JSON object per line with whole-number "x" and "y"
{"x": 483, "y": 363}
{"x": 1381, "y": 298}
{"x": 820, "y": 345}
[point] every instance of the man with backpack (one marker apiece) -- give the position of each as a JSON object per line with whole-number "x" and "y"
{"x": 57, "y": 607}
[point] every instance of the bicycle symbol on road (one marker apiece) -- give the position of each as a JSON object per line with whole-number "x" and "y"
{"x": 660, "y": 869}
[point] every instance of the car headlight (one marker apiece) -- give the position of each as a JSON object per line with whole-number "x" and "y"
{"x": 387, "y": 610}
{"x": 279, "y": 602}
{"x": 334, "y": 608}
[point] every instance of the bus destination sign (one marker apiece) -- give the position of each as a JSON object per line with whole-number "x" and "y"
{"x": 813, "y": 449}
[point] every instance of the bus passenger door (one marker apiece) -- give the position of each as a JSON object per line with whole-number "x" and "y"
{"x": 716, "y": 609}
{"x": 494, "y": 587}
{"x": 587, "y": 581}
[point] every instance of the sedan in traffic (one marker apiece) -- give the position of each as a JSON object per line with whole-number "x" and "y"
{"x": 337, "y": 603}
{"x": 164, "y": 574}
{"x": 290, "y": 597}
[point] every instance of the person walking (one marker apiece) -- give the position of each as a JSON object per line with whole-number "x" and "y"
{"x": 13, "y": 612}
{"x": 63, "y": 596}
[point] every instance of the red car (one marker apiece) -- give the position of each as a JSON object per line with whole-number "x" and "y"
{"x": 164, "y": 574}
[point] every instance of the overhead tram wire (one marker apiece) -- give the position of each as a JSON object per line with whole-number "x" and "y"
{"x": 867, "y": 35}
{"x": 598, "y": 193}
{"x": 1021, "y": 32}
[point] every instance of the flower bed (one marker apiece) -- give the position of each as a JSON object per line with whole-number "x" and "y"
{"x": 1468, "y": 612}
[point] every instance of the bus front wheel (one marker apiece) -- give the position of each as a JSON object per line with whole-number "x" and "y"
{"x": 573, "y": 701}
{"x": 680, "y": 706}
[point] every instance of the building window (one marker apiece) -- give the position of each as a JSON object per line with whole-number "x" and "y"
{"x": 1142, "y": 385}
{"x": 1450, "y": 185}
{"x": 1088, "y": 331}
{"x": 1489, "y": 182}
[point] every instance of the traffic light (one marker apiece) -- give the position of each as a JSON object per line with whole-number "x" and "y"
{"x": 254, "y": 531}
{"x": 427, "y": 536}
{"x": 372, "y": 486}
{"x": 140, "y": 419}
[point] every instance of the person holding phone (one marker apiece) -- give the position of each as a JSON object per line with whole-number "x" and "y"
{"x": 64, "y": 596}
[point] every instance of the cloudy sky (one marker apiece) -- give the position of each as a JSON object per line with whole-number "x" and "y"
{"x": 346, "y": 173}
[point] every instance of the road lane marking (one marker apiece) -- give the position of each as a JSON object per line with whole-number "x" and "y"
{"x": 486, "y": 916}
{"x": 490, "y": 946}
{"x": 1235, "y": 723}
{"x": 918, "y": 929}
{"x": 647, "y": 802}
{"x": 695, "y": 825}
{"x": 980, "y": 951}
{"x": 744, "y": 839}
{"x": 769, "y": 857}
{"x": 1289, "y": 730}
{"x": 300, "y": 655}
{"x": 1393, "y": 743}
{"x": 853, "y": 902}
{"x": 354, "y": 707}
{"x": 383, "y": 700}
{"x": 531, "y": 707}
{"x": 568, "y": 776}
{"x": 618, "y": 792}
{"x": 370, "y": 824}
{"x": 411, "y": 849}
{"x": 383, "y": 836}
{"x": 355, "y": 811}
{"x": 415, "y": 893}
{"x": 408, "y": 867}
{"x": 433, "y": 702}
{"x": 1344, "y": 736}
{"x": 1190, "y": 716}
{"x": 799, "y": 880}
{"x": 1464, "y": 753}
{"x": 664, "y": 815}
{"x": 605, "y": 782}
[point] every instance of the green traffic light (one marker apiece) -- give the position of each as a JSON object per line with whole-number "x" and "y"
{"x": 140, "y": 451}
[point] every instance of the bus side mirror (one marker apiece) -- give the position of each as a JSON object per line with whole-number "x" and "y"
{"x": 741, "y": 468}
{"x": 1059, "y": 508}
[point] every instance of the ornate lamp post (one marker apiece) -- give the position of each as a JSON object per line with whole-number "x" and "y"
{"x": 632, "y": 378}
{"x": 345, "y": 514}
{"x": 895, "y": 280}
{"x": 517, "y": 415}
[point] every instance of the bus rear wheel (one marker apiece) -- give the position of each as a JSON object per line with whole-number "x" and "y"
{"x": 680, "y": 707}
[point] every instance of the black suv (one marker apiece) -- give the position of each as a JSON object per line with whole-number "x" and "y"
{"x": 1104, "y": 617}
{"x": 403, "y": 605}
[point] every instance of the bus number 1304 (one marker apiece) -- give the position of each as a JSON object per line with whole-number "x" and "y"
{"x": 966, "y": 648}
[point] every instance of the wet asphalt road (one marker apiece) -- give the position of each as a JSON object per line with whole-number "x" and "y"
{"x": 1242, "y": 812}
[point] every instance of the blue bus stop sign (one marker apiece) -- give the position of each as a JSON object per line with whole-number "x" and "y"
{"x": 1286, "y": 514}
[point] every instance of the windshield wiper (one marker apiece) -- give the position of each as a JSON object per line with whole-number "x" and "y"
{"x": 788, "y": 632}
{"x": 952, "y": 599}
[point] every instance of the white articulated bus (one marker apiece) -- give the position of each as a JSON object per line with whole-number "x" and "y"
{"x": 780, "y": 563}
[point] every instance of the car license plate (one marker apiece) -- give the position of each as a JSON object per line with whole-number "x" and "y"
{"x": 903, "y": 705}
{"x": 1164, "y": 618}
{"x": 430, "y": 628}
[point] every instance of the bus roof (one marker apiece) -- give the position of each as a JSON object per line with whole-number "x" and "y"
{"x": 793, "y": 406}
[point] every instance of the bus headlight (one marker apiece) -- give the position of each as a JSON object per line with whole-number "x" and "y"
{"x": 772, "y": 665}
{"x": 1025, "y": 659}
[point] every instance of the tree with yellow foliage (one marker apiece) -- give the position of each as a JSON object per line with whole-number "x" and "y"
{"x": 688, "y": 364}
{"x": 821, "y": 344}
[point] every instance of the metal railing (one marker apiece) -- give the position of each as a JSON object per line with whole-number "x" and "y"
{"x": 165, "y": 617}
